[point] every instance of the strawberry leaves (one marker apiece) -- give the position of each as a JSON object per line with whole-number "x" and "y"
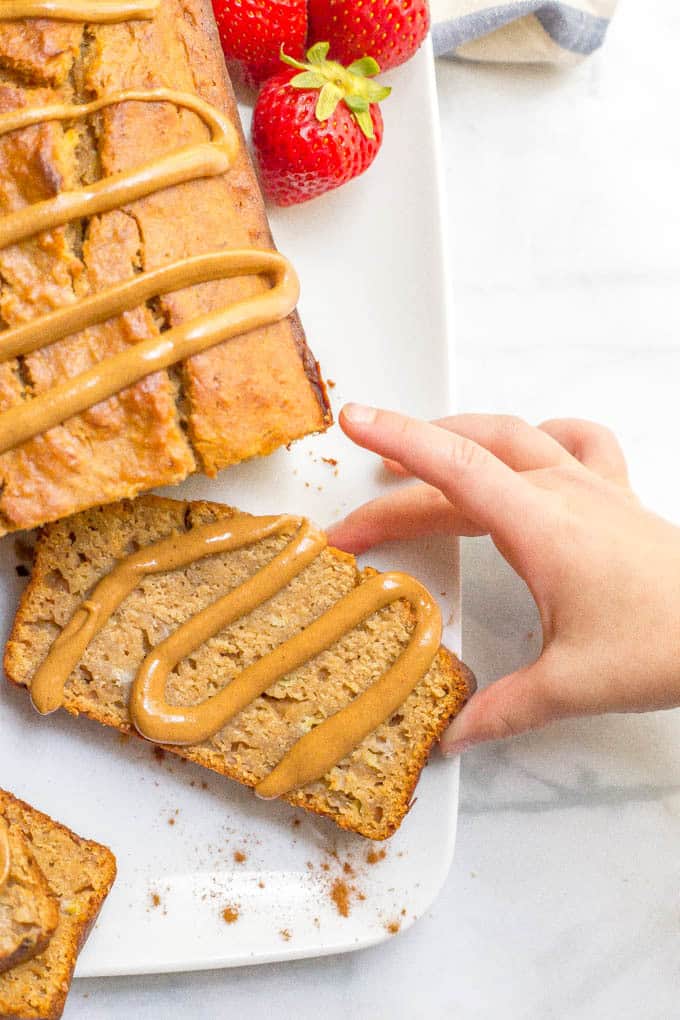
{"x": 351, "y": 85}
{"x": 367, "y": 67}
{"x": 317, "y": 53}
{"x": 329, "y": 97}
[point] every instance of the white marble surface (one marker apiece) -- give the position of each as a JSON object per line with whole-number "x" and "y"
{"x": 564, "y": 898}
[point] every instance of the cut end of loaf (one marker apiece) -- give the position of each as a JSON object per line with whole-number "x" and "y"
{"x": 369, "y": 791}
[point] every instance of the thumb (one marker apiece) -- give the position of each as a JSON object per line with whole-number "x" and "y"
{"x": 515, "y": 704}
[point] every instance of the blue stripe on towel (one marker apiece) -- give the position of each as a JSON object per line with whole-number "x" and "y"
{"x": 573, "y": 30}
{"x": 570, "y": 28}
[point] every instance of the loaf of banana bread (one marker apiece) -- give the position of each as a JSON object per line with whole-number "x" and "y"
{"x": 370, "y": 789}
{"x": 239, "y": 399}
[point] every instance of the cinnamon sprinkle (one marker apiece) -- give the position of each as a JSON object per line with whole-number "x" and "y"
{"x": 230, "y": 914}
{"x": 340, "y": 896}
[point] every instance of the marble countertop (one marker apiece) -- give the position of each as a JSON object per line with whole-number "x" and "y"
{"x": 564, "y": 896}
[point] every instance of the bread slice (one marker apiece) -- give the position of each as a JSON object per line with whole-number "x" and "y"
{"x": 28, "y": 908}
{"x": 79, "y": 874}
{"x": 369, "y": 791}
{"x": 242, "y": 398}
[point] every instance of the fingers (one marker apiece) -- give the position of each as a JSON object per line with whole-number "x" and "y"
{"x": 595, "y": 446}
{"x": 408, "y": 513}
{"x": 483, "y": 489}
{"x": 518, "y": 444}
{"x": 525, "y": 448}
{"x": 513, "y": 705}
{"x": 394, "y": 466}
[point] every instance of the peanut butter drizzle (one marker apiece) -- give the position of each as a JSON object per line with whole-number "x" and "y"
{"x": 94, "y": 11}
{"x": 205, "y": 159}
{"x": 70, "y": 397}
{"x": 115, "y": 373}
{"x": 5, "y": 856}
{"x": 318, "y": 751}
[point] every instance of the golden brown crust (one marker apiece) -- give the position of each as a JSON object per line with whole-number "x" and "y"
{"x": 80, "y": 873}
{"x": 210, "y": 68}
{"x": 436, "y": 699}
{"x": 241, "y": 400}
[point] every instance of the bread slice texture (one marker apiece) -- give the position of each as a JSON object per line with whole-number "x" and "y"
{"x": 369, "y": 791}
{"x": 79, "y": 873}
{"x": 242, "y": 398}
{"x": 29, "y": 911}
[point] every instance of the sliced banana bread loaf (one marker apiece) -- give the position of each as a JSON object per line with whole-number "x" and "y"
{"x": 370, "y": 790}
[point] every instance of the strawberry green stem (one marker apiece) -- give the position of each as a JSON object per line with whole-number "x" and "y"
{"x": 352, "y": 85}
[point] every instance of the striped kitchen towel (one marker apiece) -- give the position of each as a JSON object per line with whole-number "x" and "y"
{"x": 524, "y": 31}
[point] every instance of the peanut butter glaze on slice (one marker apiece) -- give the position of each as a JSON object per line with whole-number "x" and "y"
{"x": 100, "y": 12}
{"x": 5, "y": 857}
{"x": 328, "y": 743}
{"x": 206, "y": 159}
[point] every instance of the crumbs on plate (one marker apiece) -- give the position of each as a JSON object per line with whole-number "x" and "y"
{"x": 340, "y": 894}
{"x": 230, "y": 913}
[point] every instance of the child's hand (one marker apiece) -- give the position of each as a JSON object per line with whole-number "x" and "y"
{"x": 605, "y": 572}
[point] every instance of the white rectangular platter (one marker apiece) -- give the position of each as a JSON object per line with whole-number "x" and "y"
{"x": 192, "y": 845}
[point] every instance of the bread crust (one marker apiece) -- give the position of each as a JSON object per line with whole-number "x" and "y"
{"x": 219, "y": 67}
{"x": 453, "y": 679}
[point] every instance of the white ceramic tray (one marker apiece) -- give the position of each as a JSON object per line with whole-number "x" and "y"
{"x": 371, "y": 259}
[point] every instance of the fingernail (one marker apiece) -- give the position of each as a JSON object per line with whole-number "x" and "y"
{"x": 457, "y": 748}
{"x": 359, "y": 414}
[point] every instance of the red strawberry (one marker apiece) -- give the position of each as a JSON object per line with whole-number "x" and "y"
{"x": 315, "y": 130}
{"x": 253, "y": 32}
{"x": 391, "y": 30}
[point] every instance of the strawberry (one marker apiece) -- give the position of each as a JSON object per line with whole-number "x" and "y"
{"x": 390, "y": 30}
{"x": 253, "y": 31}
{"x": 316, "y": 126}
